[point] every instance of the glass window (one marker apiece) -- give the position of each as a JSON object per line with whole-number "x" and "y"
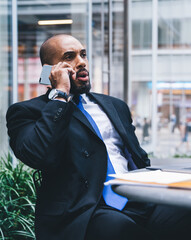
{"x": 141, "y": 24}
{"x": 173, "y": 24}
{"x": 142, "y": 34}
{"x": 173, "y": 75}
{"x": 174, "y": 117}
{"x": 104, "y": 82}
{"x": 141, "y": 68}
{"x": 141, "y": 97}
{"x": 100, "y": 46}
{"x": 141, "y": 109}
{"x": 116, "y": 81}
{"x": 72, "y": 18}
{"x": 174, "y": 67}
{"x": 163, "y": 75}
{"x": 168, "y": 33}
{"x": 5, "y": 71}
{"x": 97, "y": 48}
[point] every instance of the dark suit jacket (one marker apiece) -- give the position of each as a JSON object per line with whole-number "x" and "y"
{"x": 56, "y": 138}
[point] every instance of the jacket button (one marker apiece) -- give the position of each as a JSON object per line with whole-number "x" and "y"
{"x": 86, "y": 153}
{"x": 86, "y": 183}
{"x": 55, "y": 118}
{"x": 60, "y": 110}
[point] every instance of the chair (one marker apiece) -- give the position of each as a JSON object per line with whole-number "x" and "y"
{"x": 37, "y": 179}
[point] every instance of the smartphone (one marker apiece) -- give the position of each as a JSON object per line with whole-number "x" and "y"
{"x": 44, "y": 76}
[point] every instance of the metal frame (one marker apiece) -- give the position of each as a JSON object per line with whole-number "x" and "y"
{"x": 102, "y": 41}
{"x": 14, "y": 51}
{"x": 14, "y": 43}
{"x": 154, "y": 72}
{"x": 110, "y": 53}
{"x": 126, "y": 50}
{"x": 89, "y": 35}
{"x": 129, "y": 90}
{"x": 110, "y": 41}
{"x": 37, "y": 179}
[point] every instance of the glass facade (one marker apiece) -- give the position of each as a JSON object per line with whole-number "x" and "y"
{"x": 106, "y": 61}
{"x": 154, "y": 79}
{"x": 5, "y": 70}
{"x": 141, "y": 24}
{"x": 173, "y": 24}
{"x": 33, "y": 30}
{"x": 160, "y": 77}
{"x": 141, "y": 71}
{"x": 108, "y": 47}
{"x": 117, "y": 61}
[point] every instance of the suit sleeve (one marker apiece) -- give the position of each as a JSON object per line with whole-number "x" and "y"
{"x": 36, "y": 138}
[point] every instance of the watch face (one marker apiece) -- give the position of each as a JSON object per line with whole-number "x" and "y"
{"x": 52, "y": 93}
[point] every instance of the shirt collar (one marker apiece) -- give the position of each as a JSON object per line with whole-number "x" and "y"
{"x": 85, "y": 99}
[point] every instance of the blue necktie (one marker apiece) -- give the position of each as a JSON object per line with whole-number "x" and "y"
{"x": 112, "y": 199}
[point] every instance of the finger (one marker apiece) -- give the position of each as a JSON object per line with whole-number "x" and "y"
{"x": 54, "y": 69}
{"x": 57, "y": 66}
{"x": 52, "y": 80}
{"x": 72, "y": 74}
{"x": 65, "y": 65}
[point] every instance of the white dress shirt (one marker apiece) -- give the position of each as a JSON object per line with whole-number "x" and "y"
{"x": 111, "y": 138}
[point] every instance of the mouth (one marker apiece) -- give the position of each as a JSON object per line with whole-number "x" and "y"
{"x": 83, "y": 75}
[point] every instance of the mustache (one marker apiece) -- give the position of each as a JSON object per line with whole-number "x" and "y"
{"x": 81, "y": 70}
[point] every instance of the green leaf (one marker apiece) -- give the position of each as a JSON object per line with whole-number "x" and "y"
{"x": 17, "y": 201}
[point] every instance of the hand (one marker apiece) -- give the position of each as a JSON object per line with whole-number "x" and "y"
{"x": 60, "y": 76}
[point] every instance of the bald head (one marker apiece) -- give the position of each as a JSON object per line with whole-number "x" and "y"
{"x": 65, "y": 49}
{"x": 49, "y": 48}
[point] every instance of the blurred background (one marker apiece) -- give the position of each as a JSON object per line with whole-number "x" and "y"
{"x": 139, "y": 51}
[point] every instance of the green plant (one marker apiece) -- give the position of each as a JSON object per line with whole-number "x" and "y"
{"x": 17, "y": 201}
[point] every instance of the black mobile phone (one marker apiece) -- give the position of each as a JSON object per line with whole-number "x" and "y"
{"x": 44, "y": 76}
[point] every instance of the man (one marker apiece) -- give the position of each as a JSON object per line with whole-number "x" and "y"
{"x": 55, "y": 134}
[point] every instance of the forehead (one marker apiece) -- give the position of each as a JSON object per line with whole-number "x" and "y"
{"x": 67, "y": 43}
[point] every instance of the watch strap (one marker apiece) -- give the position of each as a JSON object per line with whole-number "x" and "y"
{"x": 54, "y": 93}
{"x": 62, "y": 95}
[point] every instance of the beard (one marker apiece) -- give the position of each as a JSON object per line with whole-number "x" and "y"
{"x": 84, "y": 88}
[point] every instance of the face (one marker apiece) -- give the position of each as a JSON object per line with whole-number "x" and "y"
{"x": 71, "y": 51}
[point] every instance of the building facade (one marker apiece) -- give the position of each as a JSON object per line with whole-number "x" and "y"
{"x": 139, "y": 51}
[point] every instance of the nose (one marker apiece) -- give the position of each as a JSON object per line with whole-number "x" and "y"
{"x": 81, "y": 63}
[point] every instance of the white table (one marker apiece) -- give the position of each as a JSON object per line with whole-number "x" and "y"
{"x": 159, "y": 195}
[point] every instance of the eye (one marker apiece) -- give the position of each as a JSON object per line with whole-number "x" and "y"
{"x": 68, "y": 57}
{"x": 83, "y": 54}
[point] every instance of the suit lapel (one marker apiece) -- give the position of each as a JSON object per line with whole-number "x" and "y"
{"x": 81, "y": 117}
{"x": 111, "y": 112}
{"x": 109, "y": 109}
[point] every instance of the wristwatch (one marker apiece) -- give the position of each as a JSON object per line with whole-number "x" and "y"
{"x": 57, "y": 93}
